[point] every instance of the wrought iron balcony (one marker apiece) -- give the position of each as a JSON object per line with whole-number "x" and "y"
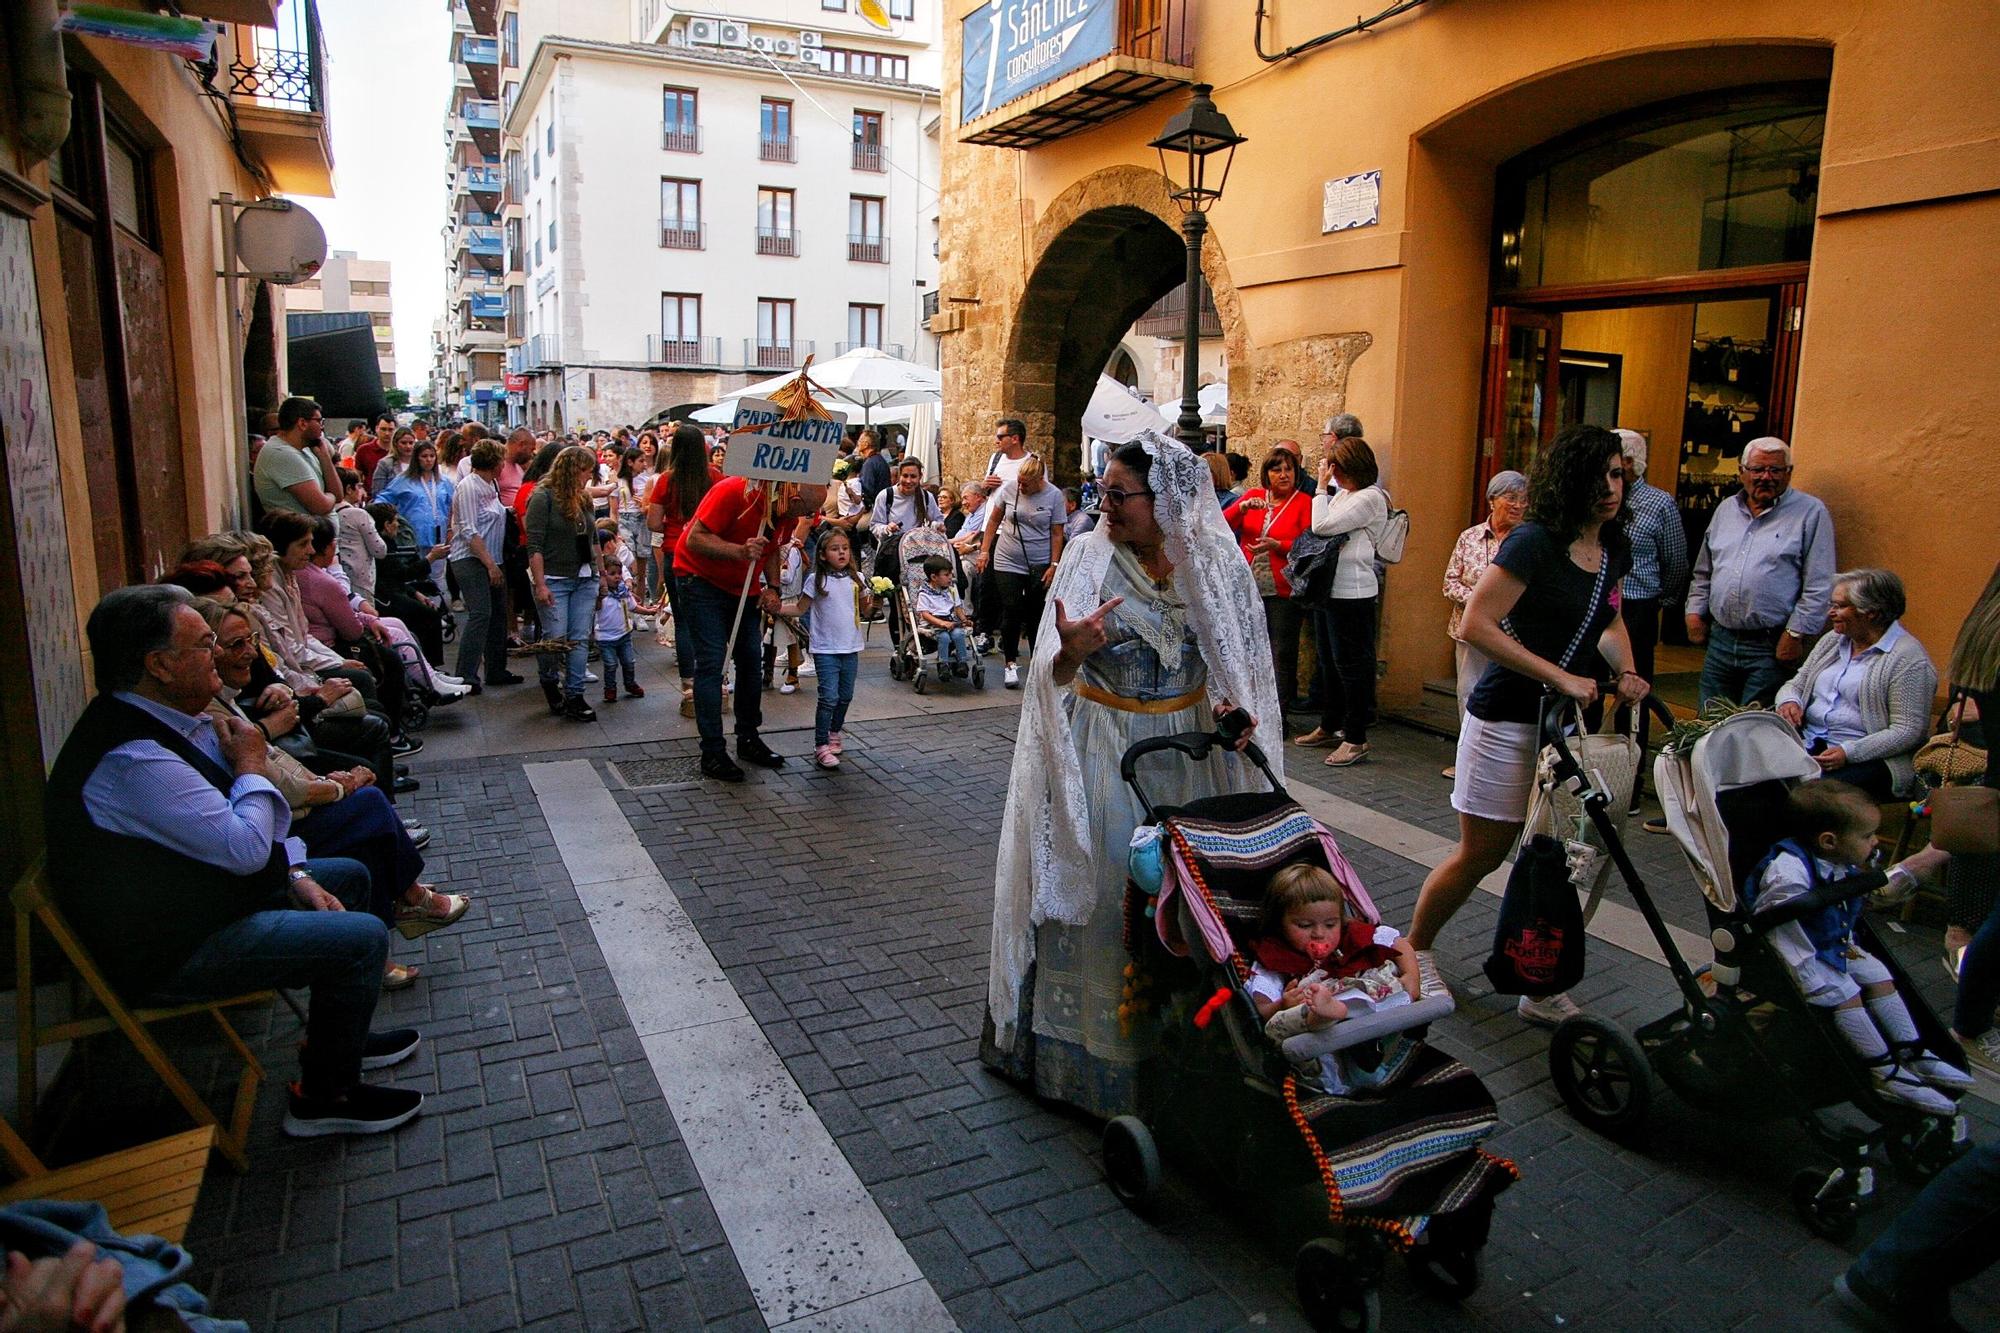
{"x": 868, "y": 249}
{"x": 277, "y": 82}
{"x": 777, "y": 148}
{"x": 683, "y": 351}
{"x": 777, "y": 241}
{"x": 868, "y": 157}
{"x": 676, "y": 138}
{"x": 683, "y": 236}
{"x": 770, "y": 354}
{"x": 893, "y": 349}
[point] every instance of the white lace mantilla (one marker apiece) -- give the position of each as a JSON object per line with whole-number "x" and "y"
{"x": 1044, "y": 870}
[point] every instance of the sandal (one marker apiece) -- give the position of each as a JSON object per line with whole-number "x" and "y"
{"x": 1317, "y": 739}
{"x": 399, "y": 976}
{"x": 437, "y": 911}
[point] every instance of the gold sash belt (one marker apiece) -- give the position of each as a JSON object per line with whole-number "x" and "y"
{"x": 1085, "y": 690}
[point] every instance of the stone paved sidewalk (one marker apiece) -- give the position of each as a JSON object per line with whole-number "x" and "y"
{"x": 547, "y": 1185}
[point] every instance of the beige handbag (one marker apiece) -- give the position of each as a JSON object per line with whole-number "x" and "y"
{"x": 1610, "y": 759}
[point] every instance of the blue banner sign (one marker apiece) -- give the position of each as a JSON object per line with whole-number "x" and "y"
{"x": 1012, "y": 46}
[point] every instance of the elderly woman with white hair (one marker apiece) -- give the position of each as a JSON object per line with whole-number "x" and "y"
{"x": 1862, "y": 698}
{"x": 1506, "y": 503}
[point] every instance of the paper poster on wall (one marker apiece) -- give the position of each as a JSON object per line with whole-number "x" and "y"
{"x": 1350, "y": 202}
{"x": 1012, "y": 46}
{"x": 779, "y": 450}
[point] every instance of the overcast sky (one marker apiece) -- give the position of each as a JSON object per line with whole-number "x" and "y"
{"x": 389, "y": 69}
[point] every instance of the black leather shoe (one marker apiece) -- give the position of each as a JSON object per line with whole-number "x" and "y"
{"x": 752, "y": 750}
{"x": 720, "y": 767}
{"x": 576, "y": 710}
{"x": 404, "y": 785}
{"x": 505, "y": 678}
{"x": 403, "y": 744}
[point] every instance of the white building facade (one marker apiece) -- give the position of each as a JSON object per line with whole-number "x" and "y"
{"x": 713, "y": 203}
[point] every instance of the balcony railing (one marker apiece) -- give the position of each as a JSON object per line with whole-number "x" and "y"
{"x": 276, "y": 79}
{"x": 868, "y": 157}
{"x": 482, "y": 241}
{"x": 478, "y": 50}
{"x": 777, "y": 241}
{"x": 893, "y": 349}
{"x": 477, "y": 217}
{"x": 777, "y": 148}
{"x": 482, "y": 115}
{"x": 683, "y": 351}
{"x": 868, "y": 249}
{"x": 766, "y": 354}
{"x": 488, "y": 305}
{"x": 544, "y": 349}
{"x": 1153, "y": 57}
{"x": 930, "y": 304}
{"x": 483, "y": 180}
{"x": 679, "y": 236}
{"x": 1167, "y": 317}
{"x": 681, "y": 138}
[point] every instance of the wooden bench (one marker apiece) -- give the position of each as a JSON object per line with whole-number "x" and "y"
{"x": 31, "y": 904}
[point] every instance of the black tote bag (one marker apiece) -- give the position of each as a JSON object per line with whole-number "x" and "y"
{"x": 1538, "y": 945}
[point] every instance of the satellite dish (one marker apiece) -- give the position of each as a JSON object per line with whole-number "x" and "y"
{"x": 279, "y": 242}
{"x": 872, "y": 11}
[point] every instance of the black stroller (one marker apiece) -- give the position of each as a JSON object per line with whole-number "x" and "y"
{"x": 1743, "y": 1042}
{"x": 1396, "y": 1166}
{"x": 914, "y": 654}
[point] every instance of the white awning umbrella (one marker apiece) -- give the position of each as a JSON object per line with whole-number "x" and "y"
{"x": 1116, "y": 415}
{"x": 867, "y": 378}
{"x": 1213, "y": 399}
{"x": 724, "y": 413}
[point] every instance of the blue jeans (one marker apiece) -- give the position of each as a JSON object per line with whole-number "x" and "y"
{"x": 837, "y": 673}
{"x": 337, "y": 956}
{"x": 1949, "y": 1234}
{"x": 710, "y": 614}
{"x": 1979, "y": 979}
{"x": 570, "y": 618}
{"x": 1741, "y": 665}
{"x": 677, "y": 585}
{"x": 954, "y": 646}
{"x": 365, "y": 828}
{"x": 618, "y": 655}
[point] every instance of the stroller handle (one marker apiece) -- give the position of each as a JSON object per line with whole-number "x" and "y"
{"x": 1229, "y": 728}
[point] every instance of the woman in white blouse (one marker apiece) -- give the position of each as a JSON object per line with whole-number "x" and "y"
{"x": 1349, "y": 504}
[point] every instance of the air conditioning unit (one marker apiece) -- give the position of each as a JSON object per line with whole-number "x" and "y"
{"x": 814, "y": 57}
{"x": 784, "y": 46}
{"x": 809, "y": 39}
{"x": 701, "y": 32}
{"x": 732, "y": 34}
{"x": 760, "y": 43}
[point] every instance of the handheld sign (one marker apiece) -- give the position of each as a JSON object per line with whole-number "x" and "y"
{"x": 773, "y": 449}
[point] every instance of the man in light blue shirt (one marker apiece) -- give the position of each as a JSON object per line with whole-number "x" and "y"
{"x": 1762, "y": 580}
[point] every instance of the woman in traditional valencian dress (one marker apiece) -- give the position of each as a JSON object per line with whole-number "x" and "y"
{"x": 1152, "y": 627}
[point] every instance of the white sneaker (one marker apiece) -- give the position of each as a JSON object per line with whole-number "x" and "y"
{"x": 1012, "y": 679}
{"x": 1983, "y": 1050}
{"x": 1547, "y": 1011}
{"x": 806, "y": 667}
{"x": 446, "y": 677}
{"x": 590, "y": 677}
{"x": 788, "y": 688}
{"x": 1938, "y": 1073}
{"x": 1897, "y": 1084}
{"x": 445, "y": 689}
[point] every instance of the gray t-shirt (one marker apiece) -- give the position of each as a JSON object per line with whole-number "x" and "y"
{"x": 280, "y": 467}
{"x": 1022, "y": 545}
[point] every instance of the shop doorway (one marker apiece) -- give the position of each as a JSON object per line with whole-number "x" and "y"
{"x": 1649, "y": 272}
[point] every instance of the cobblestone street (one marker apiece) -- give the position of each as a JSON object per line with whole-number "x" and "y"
{"x": 551, "y": 1184}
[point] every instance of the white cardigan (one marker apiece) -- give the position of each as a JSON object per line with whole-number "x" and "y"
{"x": 1897, "y": 692}
{"x": 1360, "y": 514}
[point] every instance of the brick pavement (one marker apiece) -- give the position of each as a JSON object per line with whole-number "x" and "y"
{"x": 547, "y": 1187}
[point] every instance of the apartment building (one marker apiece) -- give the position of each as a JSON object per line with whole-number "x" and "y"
{"x": 652, "y": 206}
{"x": 349, "y": 283}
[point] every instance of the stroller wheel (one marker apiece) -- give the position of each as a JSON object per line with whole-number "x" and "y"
{"x": 895, "y": 666}
{"x": 921, "y": 683}
{"x": 1131, "y": 1160}
{"x": 1331, "y": 1290}
{"x": 1445, "y": 1269}
{"x": 1827, "y": 1212}
{"x": 1602, "y": 1074}
{"x": 978, "y": 676}
{"x": 1920, "y": 1152}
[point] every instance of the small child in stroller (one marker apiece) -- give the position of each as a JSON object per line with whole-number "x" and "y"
{"x": 1831, "y": 835}
{"x": 940, "y": 612}
{"x": 1313, "y": 966}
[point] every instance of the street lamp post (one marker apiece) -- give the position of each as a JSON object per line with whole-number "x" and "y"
{"x": 1196, "y": 133}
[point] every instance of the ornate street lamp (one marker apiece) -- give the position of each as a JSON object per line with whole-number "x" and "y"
{"x": 1195, "y": 134}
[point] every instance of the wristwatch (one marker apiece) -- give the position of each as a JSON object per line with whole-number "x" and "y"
{"x": 297, "y": 873}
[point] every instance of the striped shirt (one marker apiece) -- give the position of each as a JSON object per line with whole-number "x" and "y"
{"x": 1659, "y": 545}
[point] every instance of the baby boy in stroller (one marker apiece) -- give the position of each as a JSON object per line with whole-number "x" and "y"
{"x": 1832, "y": 835}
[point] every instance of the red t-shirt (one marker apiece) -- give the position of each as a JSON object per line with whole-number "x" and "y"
{"x": 520, "y": 502}
{"x": 735, "y": 513}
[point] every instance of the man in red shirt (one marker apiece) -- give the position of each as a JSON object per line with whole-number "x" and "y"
{"x": 376, "y": 447}
{"x": 520, "y": 449}
{"x": 726, "y": 540}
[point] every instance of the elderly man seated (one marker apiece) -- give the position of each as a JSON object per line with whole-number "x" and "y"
{"x": 168, "y": 854}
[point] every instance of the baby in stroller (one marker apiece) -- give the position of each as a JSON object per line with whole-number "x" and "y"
{"x": 1313, "y": 967}
{"x": 1831, "y": 828}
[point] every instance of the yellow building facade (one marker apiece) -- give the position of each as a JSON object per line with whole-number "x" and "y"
{"x": 1478, "y": 219}
{"x": 123, "y": 412}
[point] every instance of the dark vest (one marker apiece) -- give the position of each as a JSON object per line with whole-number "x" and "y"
{"x": 140, "y": 908}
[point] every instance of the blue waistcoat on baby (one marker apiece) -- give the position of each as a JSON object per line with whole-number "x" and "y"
{"x": 1830, "y": 928}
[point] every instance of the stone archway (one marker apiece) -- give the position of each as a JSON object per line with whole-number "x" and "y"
{"x": 1105, "y": 250}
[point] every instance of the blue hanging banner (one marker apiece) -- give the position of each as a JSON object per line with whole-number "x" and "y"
{"x": 1012, "y": 46}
